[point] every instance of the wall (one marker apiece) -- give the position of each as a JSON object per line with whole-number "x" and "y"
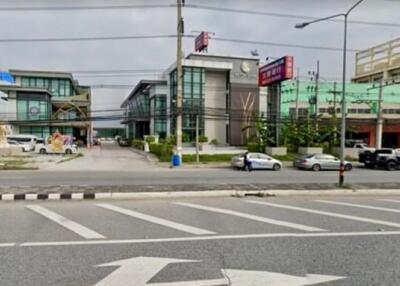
{"x": 215, "y": 97}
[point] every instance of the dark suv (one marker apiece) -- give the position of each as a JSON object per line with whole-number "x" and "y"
{"x": 386, "y": 158}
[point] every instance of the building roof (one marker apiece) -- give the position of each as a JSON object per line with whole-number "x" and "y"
{"x": 9, "y": 87}
{"x": 50, "y": 74}
{"x": 250, "y": 58}
{"x": 139, "y": 87}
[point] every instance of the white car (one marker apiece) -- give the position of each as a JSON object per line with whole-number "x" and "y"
{"x": 25, "y": 147}
{"x": 48, "y": 149}
{"x": 258, "y": 161}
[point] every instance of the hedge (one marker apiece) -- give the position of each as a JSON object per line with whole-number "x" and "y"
{"x": 138, "y": 144}
{"x": 162, "y": 151}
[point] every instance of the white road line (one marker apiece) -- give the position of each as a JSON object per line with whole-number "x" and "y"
{"x": 69, "y": 224}
{"x": 313, "y": 211}
{"x": 156, "y": 220}
{"x": 388, "y": 200}
{"x": 7, "y": 244}
{"x": 251, "y": 217}
{"x": 213, "y": 237}
{"x": 359, "y": 206}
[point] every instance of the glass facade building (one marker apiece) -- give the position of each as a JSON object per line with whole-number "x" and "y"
{"x": 193, "y": 100}
{"x": 57, "y": 87}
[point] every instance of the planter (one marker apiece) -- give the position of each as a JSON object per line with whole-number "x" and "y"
{"x": 348, "y": 152}
{"x": 310, "y": 150}
{"x": 276, "y": 151}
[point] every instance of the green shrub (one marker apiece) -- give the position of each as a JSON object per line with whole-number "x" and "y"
{"x": 214, "y": 142}
{"x": 255, "y": 147}
{"x": 203, "y": 139}
{"x": 171, "y": 140}
{"x": 208, "y": 158}
{"x": 185, "y": 138}
{"x": 162, "y": 151}
{"x": 138, "y": 144}
{"x": 150, "y": 139}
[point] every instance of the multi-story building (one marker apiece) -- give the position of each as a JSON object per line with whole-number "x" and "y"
{"x": 222, "y": 91}
{"x": 41, "y": 103}
{"x": 381, "y": 62}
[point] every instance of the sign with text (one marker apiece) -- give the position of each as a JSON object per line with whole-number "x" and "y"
{"x": 277, "y": 71}
{"x": 201, "y": 42}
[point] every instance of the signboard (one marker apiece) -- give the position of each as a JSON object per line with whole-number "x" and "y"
{"x": 277, "y": 71}
{"x": 201, "y": 42}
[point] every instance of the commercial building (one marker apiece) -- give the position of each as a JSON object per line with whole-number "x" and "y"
{"x": 222, "y": 91}
{"x": 41, "y": 103}
{"x": 362, "y": 108}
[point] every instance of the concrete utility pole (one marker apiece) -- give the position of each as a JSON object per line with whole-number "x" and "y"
{"x": 197, "y": 139}
{"x": 379, "y": 119}
{"x": 334, "y": 113}
{"x": 316, "y": 95}
{"x": 297, "y": 94}
{"x": 179, "y": 77}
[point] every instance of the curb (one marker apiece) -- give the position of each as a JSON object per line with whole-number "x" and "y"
{"x": 191, "y": 194}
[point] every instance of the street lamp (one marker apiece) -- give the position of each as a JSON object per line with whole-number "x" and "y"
{"x": 343, "y": 111}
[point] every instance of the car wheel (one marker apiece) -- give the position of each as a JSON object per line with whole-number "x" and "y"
{"x": 316, "y": 167}
{"x": 42, "y": 151}
{"x": 68, "y": 151}
{"x": 348, "y": 167}
{"x": 391, "y": 166}
{"x": 276, "y": 167}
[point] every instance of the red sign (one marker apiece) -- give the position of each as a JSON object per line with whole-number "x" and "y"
{"x": 201, "y": 42}
{"x": 277, "y": 71}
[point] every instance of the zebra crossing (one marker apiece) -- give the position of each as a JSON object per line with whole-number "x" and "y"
{"x": 205, "y": 218}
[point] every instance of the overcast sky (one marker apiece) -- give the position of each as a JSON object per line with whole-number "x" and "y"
{"x": 160, "y": 53}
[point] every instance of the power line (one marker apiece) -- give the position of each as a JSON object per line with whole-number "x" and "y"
{"x": 83, "y": 7}
{"x": 282, "y": 15}
{"x": 106, "y": 38}
{"x": 191, "y": 6}
{"x": 141, "y": 37}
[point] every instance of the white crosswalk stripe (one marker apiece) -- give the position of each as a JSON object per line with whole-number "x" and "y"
{"x": 338, "y": 215}
{"x": 68, "y": 224}
{"x": 389, "y": 200}
{"x": 156, "y": 220}
{"x": 250, "y": 217}
{"x": 359, "y": 206}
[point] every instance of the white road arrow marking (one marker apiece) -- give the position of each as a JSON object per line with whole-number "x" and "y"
{"x": 263, "y": 278}
{"x": 136, "y": 271}
{"x": 139, "y": 270}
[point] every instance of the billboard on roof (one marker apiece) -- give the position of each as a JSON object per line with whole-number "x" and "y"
{"x": 275, "y": 72}
{"x": 201, "y": 42}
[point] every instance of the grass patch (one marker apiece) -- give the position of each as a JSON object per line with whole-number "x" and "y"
{"x": 204, "y": 158}
{"x": 70, "y": 158}
{"x": 15, "y": 165}
{"x": 287, "y": 157}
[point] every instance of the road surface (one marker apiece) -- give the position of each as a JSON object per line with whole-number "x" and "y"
{"x": 341, "y": 240}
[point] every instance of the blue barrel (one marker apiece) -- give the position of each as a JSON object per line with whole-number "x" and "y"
{"x": 176, "y": 160}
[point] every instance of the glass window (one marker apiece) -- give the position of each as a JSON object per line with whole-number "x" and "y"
{"x": 25, "y": 82}
{"x": 40, "y": 83}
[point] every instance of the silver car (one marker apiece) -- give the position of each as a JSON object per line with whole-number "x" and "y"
{"x": 258, "y": 161}
{"x": 317, "y": 162}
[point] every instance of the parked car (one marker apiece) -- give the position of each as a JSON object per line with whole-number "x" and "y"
{"x": 386, "y": 158}
{"x": 48, "y": 149}
{"x": 123, "y": 142}
{"x": 258, "y": 161}
{"x": 24, "y": 147}
{"x": 28, "y": 140}
{"x": 317, "y": 162}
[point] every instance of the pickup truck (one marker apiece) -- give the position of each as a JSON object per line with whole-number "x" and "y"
{"x": 386, "y": 158}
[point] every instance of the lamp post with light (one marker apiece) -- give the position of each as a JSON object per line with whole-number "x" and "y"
{"x": 343, "y": 111}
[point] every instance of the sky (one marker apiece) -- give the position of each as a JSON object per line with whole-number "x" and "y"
{"x": 158, "y": 54}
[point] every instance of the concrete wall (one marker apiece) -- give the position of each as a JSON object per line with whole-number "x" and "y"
{"x": 215, "y": 97}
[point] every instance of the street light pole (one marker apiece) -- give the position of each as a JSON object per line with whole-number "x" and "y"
{"x": 343, "y": 108}
{"x": 179, "y": 78}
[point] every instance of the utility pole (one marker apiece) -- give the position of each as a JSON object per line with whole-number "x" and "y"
{"x": 316, "y": 95}
{"x": 334, "y": 113}
{"x": 297, "y": 94}
{"x": 197, "y": 139}
{"x": 379, "y": 120}
{"x": 179, "y": 78}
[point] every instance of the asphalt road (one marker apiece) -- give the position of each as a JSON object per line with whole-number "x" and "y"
{"x": 167, "y": 176}
{"x": 225, "y": 239}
